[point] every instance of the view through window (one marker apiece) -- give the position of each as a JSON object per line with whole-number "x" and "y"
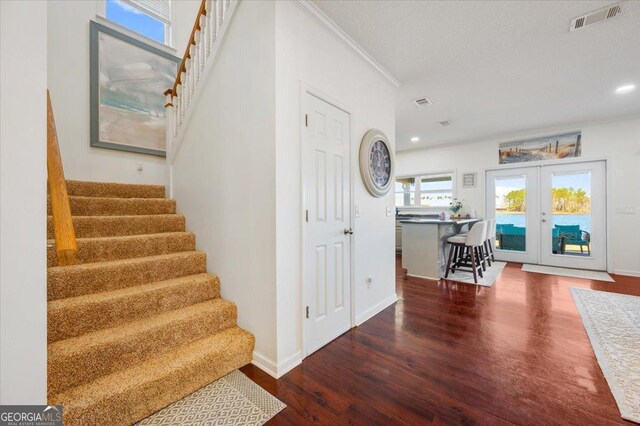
{"x": 150, "y": 18}
{"x": 427, "y": 190}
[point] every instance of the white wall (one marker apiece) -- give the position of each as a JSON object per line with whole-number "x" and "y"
{"x": 68, "y": 80}
{"x": 307, "y": 53}
{"x": 224, "y": 173}
{"x": 618, "y": 141}
{"x": 23, "y": 153}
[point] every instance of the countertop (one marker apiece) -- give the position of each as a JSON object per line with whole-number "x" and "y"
{"x": 440, "y": 222}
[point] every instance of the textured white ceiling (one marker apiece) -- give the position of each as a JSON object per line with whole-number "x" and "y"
{"x": 496, "y": 67}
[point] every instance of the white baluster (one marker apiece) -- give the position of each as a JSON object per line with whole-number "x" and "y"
{"x": 196, "y": 60}
{"x": 218, "y": 16}
{"x": 203, "y": 38}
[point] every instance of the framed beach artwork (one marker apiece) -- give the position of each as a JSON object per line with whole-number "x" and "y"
{"x": 128, "y": 80}
{"x": 539, "y": 149}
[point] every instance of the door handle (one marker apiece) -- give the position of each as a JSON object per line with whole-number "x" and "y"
{"x": 348, "y": 231}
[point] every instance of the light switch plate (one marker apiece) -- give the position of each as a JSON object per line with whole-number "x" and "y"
{"x": 388, "y": 211}
{"x": 356, "y": 210}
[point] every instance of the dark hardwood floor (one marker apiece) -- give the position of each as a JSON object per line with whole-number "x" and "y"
{"x": 451, "y": 353}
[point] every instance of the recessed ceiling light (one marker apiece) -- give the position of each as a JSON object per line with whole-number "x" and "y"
{"x": 625, "y": 89}
{"x": 414, "y": 140}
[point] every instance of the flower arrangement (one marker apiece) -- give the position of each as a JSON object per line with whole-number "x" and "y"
{"x": 455, "y": 206}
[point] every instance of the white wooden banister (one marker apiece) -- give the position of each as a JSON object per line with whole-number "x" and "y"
{"x": 208, "y": 30}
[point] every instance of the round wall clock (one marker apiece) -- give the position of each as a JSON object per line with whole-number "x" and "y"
{"x": 376, "y": 163}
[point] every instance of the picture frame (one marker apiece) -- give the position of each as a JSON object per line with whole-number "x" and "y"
{"x": 128, "y": 78}
{"x": 554, "y": 147}
{"x": 469, "y": 180}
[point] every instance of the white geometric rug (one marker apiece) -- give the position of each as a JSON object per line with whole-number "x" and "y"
{"x": 567, "y": 272}
{"x": 488, "y": 279}
{"x": 612, "y": 322}
{"x": 231, "y": 400}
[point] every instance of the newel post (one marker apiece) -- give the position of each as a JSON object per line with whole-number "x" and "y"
{"x": 170, "y": 118}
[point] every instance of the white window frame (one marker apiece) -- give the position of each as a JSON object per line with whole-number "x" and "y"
{"x": 168, "y": 26}
{"x": 419, "y": 191}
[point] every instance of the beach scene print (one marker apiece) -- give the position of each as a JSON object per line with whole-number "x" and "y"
{"x": 540, "y": 149}
{"x": 131, "y": 101}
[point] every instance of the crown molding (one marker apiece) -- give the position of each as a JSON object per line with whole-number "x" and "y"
{"x": 334, "y": 30}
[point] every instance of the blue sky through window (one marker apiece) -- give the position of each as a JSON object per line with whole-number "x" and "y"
{"x": 135, "y": 20}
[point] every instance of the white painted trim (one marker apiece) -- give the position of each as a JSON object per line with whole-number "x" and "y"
{"x": 289, "y": 364}
{"x": 376, "y": 309}
{"x": 278, "y": 370}
{"x": 628, "y": 273}
{"x": 307, "y": 89}
{"x": 265, "y": 364}
{"x": 206, "y": 73}
{"x": 334, "y": 30}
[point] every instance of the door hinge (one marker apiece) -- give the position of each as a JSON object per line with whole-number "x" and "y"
{"x": 306, "y": 215}
{"x": 306, "y": 120}
{"x": 307, "y": 312}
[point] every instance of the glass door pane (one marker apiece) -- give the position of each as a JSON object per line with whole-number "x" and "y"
{"x": 571, "y": 213}
{"x": 511, "y": 213}
{"x": 513, "y": 200}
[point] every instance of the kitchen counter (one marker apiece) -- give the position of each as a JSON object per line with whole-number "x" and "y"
{"x": 424, "y": 244}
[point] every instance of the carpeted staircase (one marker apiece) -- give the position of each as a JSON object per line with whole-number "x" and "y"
{"x": 138, "y": 323}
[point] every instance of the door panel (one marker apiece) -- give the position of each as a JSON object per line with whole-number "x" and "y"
{"x": 573, "y": 215}
{"x": 512, "y": 200}
{"x": 327, "y": 199}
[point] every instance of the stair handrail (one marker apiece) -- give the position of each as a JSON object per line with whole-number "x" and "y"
{"x": 64, "y": 234}
{"x": 204, "y": 42}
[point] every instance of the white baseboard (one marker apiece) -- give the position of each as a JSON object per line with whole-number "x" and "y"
{"x": 289, "y": 364}
{"x": 265, "y": 364}
{"x": 628, "y": 273}
{"x": 269, "y": 366}
{"x": 376, "y": 309}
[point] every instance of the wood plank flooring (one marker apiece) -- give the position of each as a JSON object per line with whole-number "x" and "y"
{"x": 451, "y": 353}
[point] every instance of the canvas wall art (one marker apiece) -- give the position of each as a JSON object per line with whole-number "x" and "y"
{"x": 540, "y": 149}
{"x": 128, "y": 80}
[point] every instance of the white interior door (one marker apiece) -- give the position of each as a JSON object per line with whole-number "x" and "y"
{"x": 513, "y": 201}
{"x": 327, "y": 198}
{"x": 573, "y": 215}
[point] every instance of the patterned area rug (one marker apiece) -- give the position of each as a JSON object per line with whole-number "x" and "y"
{"x": 567, "y": 272}
{"x": 488, "y": 280}
{"x": 612, "y": 322}
{"x": 231, "y": 400}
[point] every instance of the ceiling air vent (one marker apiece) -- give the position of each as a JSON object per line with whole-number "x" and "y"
{"x": 595, "y": 17}
{"x": 445, "y": 123}
{"x": 422, "y": 102}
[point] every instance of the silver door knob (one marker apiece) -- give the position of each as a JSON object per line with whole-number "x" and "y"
{"x": 348, "y": 231}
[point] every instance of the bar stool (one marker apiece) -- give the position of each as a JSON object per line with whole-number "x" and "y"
{"x": 467, "y": 247}
{"x": 488, "y": 244}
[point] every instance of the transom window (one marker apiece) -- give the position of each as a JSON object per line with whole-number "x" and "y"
{"x": 150, "y": 18}
{"x": 427, "y": 190}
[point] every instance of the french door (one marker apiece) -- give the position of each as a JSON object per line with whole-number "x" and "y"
{"x": 553, "y": 215}
{"x": 327, "y": 251}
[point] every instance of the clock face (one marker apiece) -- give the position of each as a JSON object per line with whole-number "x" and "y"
{"x": 380, "y": 164}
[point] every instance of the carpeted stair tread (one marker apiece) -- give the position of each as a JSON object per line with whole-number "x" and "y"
{"x": 102, "y": 249}
{"x": 127, "y": 396}
{"x": 101, "y": 206}
{"x": 113, "y": 226}
{"x": 75, "y": 316}
{"x": 79, "y": 360}
{"x": 114, "y": 190}
{"x": 76, "y": 280}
